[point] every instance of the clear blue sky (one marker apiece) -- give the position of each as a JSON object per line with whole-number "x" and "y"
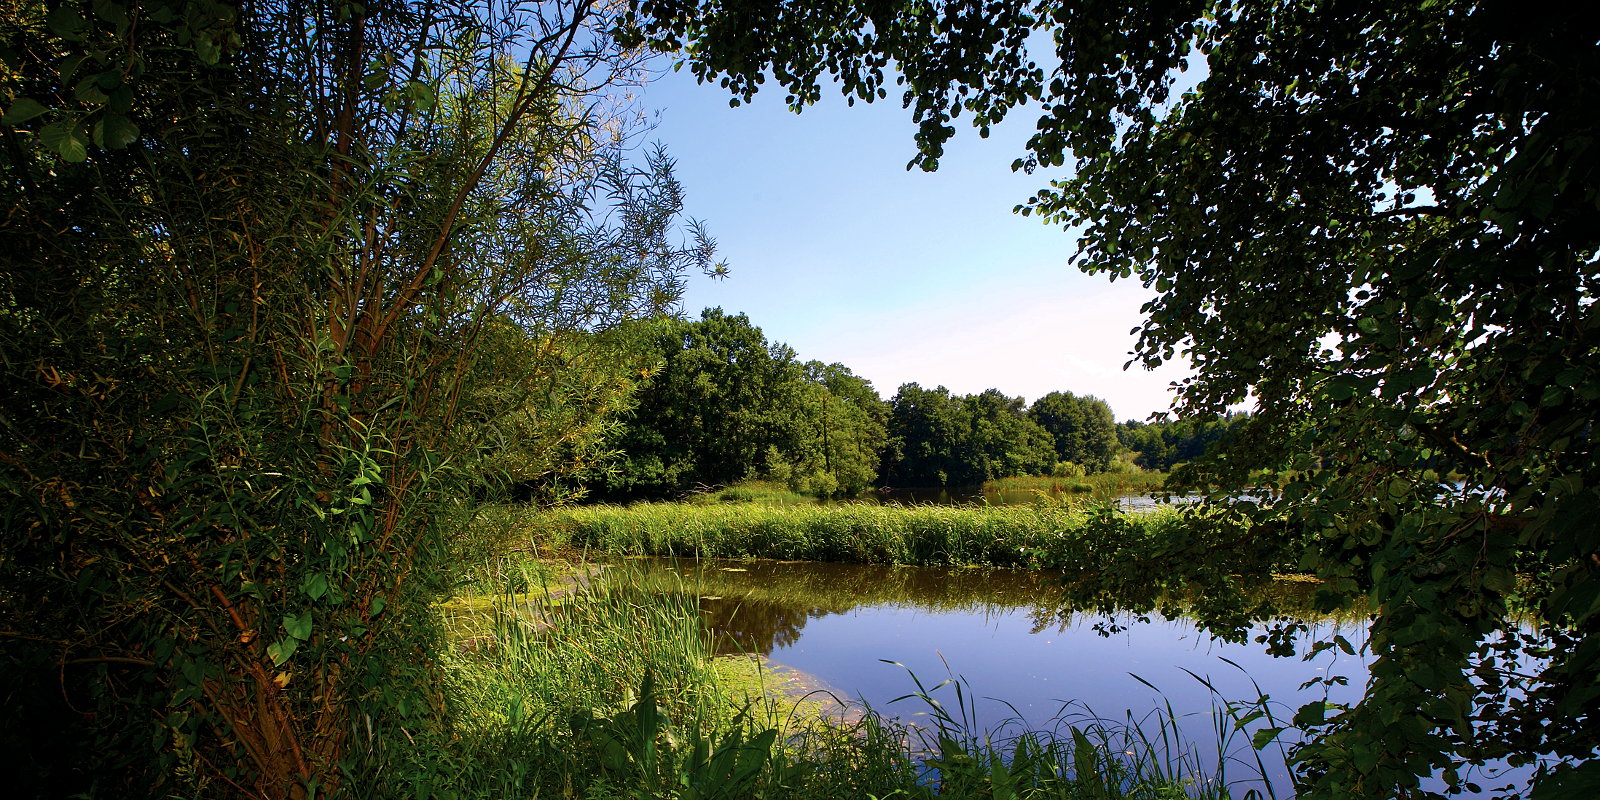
{"x": 840, "y": 252}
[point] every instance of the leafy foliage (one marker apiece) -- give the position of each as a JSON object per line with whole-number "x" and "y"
{"x": 945, "y": 440}
{"x": 264, "y": 271}
{"x": 1162, "y": 445}
{"x": 1084, "y": 429}
{"x": 1380, "y": 220}
{"x": 724, "y": 405}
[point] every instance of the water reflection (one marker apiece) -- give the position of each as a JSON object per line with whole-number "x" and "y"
{"x": 1002, "y": 631}
{"x": 761, "y": 606}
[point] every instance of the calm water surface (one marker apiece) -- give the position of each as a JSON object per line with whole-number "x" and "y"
{"x": 1002, "y": 635}
{"x": 1000, "y": 632}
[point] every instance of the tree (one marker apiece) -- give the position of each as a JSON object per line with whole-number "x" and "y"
{"x": 1379, "y": 220}
{"x": 1084, "y": 428}
{"x": 840, "y": 439}
{"x": 944, "y": 440}
{"x": 260, "y": 269}
{"x": 924, "y": 436}
{"x": 1162, "y": 445}
{"x": 725, "y": 405}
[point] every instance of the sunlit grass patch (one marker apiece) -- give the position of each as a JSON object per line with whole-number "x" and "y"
{"x": 1023, "y": 536}
{"x": 1102, "y": 486}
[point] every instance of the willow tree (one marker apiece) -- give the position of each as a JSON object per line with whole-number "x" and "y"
{"x": 251, "y": 259}
{"x": 1379, "y": 219}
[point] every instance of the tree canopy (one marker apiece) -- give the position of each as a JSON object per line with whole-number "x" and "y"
{"x": 940, "y": 439}
{"x": 1084, "y": 429}
{"x": 725, "y": 405}
{"x": 1378, "y": 219}
{"x": 278, "y": 282}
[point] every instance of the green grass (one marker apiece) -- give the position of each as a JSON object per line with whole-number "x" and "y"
{"x": 1023, "y": 536}
{"x": 1104, "y": 486}
{"x": 764, "y": 492}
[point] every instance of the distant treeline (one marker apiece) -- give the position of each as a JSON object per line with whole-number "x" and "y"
{"x": 725, "y": 405}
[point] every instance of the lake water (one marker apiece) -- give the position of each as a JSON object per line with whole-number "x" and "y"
{"x": 1021, "y": 660}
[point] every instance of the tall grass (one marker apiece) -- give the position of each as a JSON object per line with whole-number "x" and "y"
{"x": 765, "y": 492}
{"x": 1025, "y": 536}
{"x": 1102, "y": 486}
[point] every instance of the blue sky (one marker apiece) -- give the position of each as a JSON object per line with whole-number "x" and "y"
{"x": 840, "y": 252}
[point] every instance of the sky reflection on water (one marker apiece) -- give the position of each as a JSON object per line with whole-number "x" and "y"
{"x": 1020, "y": 658}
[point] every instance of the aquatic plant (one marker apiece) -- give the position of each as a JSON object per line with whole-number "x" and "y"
{"x": 1028, "y": 536}
{"x": 1101, "y": 486}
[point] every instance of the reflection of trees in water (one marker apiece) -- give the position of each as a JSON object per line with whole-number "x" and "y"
{"x": 760, "y": 606}
{"x": 754, "y": 625}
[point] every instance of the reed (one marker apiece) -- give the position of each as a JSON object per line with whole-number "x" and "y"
{"x": 1020, "y": 536}
{"x": 765, "y": 492}
{"x": 1098, "y": 487}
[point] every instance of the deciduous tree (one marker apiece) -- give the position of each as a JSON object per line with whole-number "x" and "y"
{"x": 253, "y": 259}
{"x": 1377, "y": 218}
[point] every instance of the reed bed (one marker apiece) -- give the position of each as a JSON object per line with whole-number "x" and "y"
{"x": 1101, "y": 486}
{"x": 1020, "y": 536}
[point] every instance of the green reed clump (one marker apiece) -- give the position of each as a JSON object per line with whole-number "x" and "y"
{"x": 766, "y": 492}
{"x": 1026, "y": 536}
{"x": 1101, "y": 486}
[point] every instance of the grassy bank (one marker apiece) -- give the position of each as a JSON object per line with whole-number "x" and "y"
{"x": 614, "y": 693}
{"x": 1103, "y": 486}
{"x": 1025, "y": 536}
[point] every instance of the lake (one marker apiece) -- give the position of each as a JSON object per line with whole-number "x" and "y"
{"x": 1022, "y": 661}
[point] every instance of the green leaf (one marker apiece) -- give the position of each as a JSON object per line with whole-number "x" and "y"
{"x": 1311, "y": 714}
{"x": 1264, "y": 737}
{"x": 66, "y": 22}
{"x": 110, "y": 11}
{"x": 1569, "y": 783}
{"x": 65, "y": 139}
{"x": 298, "y": 627}
{"x": 69, "y": 67}
{"x": 22, "y": 110}
{"x": 422, "y": 95}
{"x": 121, "y": 99}
{"x": 89, "y": 91}
{"x": 1500, "y": 580}
{"x": 315, "y": 585}
{"x": 115, "y": 132}
{"x": 207, "y": 49}
{"x": 282, "y": 650}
